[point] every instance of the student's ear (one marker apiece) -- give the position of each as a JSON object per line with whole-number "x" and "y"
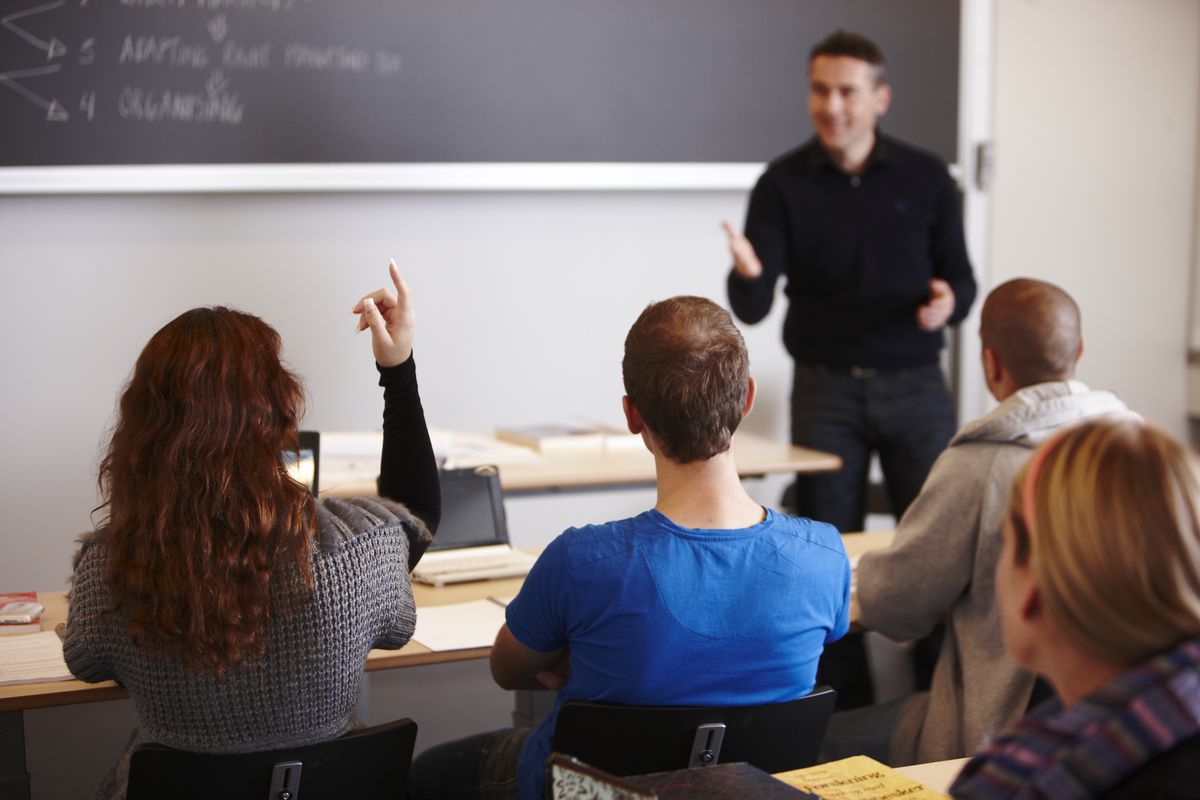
{"x": 633, "y": 420}
{"x": 1031, "y": 602}
{"x": 1079, "y": 355}
{"x": 992, "y": 367}
{"x": 751, "y": 392}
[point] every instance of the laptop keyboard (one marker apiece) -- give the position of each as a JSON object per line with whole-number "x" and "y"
{"x": 458, "y": 569}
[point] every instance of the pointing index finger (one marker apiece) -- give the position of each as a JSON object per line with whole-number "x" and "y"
{"x": 394, "y": 271}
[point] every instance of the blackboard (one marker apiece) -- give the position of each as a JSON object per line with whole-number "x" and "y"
{"x": 130, "y": 82}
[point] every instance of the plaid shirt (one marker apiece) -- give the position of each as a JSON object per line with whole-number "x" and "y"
{"x": 1085, "y": 750}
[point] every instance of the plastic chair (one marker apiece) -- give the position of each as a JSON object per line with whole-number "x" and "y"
{"x": 368, "y": 763}
{"x": 634, "y": 740}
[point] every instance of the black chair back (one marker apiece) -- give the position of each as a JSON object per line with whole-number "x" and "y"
{"x": 368, "y": 763}
{"x": 634, "y": 740}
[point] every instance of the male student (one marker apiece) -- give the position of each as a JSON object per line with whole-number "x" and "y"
{"x": 705, "y": 599}
{"x": 943, "y": 559}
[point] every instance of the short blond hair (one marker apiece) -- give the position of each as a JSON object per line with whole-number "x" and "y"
{"x": 1108, "y": 516}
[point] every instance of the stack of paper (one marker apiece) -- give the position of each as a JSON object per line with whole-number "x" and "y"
{"x": 32, "y": 658}
{"x": 459, "y": 626}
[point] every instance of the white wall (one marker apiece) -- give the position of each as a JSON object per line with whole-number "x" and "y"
{"x": 1096, "y": 131}
{"x": 523, "y": 302}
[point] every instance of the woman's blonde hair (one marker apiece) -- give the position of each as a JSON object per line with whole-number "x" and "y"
{"x": 1108, "y": 516}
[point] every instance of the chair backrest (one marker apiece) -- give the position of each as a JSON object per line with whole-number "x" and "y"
{"x": 368, "y": 763}
{"x": 634, "y": 740}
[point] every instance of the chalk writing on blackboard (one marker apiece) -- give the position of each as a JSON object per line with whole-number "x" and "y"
{"x": 203, "y": 52}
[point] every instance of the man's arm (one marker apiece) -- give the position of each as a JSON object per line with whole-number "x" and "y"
{"x": 758, "y": 256}
{"x": 515, "y": 666}
{"x": 949, "y": 250}
{"x": 538, "y": 659}
{"x": 905, "y": 590}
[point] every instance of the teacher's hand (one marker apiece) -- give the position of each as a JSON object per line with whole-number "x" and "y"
{"x": 390, "y": 317}
{"x": 937, "y": 310}
{"x": 745, "y": 260}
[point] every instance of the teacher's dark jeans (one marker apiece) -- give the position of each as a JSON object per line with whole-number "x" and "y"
{"x": 905, "y": 415}
{"x": 908, "y": 418}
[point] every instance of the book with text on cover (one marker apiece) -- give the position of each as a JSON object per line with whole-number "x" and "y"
{"x": 20, "y": 612}
{"x": 858, "y": 778}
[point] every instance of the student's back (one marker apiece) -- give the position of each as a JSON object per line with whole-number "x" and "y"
{"x": 706, "y": 599}
{"x": 657, "y": 614}
{"x": 236, "y": 609}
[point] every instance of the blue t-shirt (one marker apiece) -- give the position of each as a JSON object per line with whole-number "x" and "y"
{"x": 658, "y": 614}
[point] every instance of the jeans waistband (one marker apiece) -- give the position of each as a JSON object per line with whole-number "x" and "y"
{"x": 864, "y": 373}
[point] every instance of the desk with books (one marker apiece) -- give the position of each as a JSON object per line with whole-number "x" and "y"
{"x": 523, "y": 470}
{"x": 15, "y": 699}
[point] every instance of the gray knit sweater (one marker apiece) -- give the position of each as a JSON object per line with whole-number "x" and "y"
{"x": 942, "y": 565}
{"x": 306, "y": 687}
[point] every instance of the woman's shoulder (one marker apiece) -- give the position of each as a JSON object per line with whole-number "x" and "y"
{"x": 91, "y": 549}
{"x": 342, "y": 521}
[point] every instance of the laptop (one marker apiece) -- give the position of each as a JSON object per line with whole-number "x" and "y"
{"x": 472, "y": 538}
{"x": 304, "y": 463}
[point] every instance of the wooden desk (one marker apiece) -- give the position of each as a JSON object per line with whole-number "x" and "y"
{"x": 755, "y": 456}
{"x": 35, "y": 696}
{"x": 14, "y": 700}
{"x": 413, "y": 654}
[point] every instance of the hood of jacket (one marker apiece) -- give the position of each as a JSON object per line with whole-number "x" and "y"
{"x": 1030, "y": 415}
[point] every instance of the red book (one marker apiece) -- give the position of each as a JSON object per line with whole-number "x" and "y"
{"x": 20, "y": 612}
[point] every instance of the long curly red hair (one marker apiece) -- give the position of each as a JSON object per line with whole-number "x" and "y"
{"x": 202, "y": 516}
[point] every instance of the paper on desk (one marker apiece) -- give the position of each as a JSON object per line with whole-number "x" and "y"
{"x": 459, "y": 450}
{"x": 459, "y": 626}
{"x": 858, "y": 778}
{"x": 32, "y": 658}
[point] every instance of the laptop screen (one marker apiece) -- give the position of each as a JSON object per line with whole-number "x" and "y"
{"x": 304, "y": 465}
{"x": 472, "y": 509}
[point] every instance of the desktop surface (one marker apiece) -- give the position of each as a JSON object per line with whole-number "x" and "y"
{"x": 413, "y": 654}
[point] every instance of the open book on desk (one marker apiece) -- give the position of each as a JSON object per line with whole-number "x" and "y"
{"x": 32, "y": 658}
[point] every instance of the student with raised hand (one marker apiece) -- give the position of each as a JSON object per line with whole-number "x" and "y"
{"x": 706, "y": 599}
{"x": 1099, "y": 588}
{"x": 216, "y": 582}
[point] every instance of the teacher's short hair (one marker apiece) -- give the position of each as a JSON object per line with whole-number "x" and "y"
{"x": 852, "y": 45}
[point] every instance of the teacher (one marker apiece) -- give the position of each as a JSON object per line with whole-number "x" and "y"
{"x": 868, "y": 233}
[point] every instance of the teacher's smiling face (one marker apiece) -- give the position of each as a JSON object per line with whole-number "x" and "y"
{"x": 845, "y": 101}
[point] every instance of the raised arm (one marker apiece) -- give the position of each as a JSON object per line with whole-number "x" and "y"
{"x": 759, "y": 255}
{"x": 407, "y": 469}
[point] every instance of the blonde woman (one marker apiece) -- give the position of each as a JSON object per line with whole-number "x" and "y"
{"x": 1099, "y": 588}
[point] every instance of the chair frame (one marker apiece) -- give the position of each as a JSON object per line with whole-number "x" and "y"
{"x": 634, "y": 740}
{"x": 367, "y": 763}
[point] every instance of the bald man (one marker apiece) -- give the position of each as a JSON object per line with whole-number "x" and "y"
{"x": 942, "y": 562}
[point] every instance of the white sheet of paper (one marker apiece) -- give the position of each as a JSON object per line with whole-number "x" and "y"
{"x": 32, "y": 658}
{"x": 459, "y": 626}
